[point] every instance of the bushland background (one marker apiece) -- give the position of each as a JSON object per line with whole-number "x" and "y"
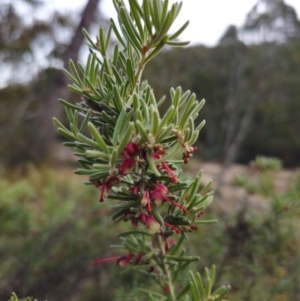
{"x": 52, "y": 227}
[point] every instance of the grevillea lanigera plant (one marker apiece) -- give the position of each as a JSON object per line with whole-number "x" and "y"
{"x": 129, "y": 149}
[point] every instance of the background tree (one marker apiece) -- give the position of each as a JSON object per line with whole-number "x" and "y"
{"x": 27, "y": 110}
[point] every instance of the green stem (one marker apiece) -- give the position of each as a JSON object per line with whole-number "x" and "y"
{"x": 165, "y": 267}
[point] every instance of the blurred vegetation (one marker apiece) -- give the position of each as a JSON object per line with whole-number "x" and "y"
{"x": 251, "y": 81}
{"x": 270, "y": 82}
{"x": 53, "y": 229}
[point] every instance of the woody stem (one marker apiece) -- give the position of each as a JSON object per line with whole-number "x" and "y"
{"x": 165, "y": 267}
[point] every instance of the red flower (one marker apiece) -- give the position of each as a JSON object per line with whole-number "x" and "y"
{"x": 130, "y": 151}
{"x": 104, "y": 192}
{"x": 173, "y": 227}
{"x": 106, "y": 186}
{"x": 169, "y": 172}
{"x": 104, "y": 260}
{"x": 159, "y": 195}
{"x": 126, "y": 166}
{"x": 152, "y": 224}
{"x": 166, "y": 167}
{"x": 122, "y": 260}
{"x": 146, "y": 202}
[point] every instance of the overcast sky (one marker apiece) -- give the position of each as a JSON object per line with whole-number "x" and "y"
{"x": 208, "y": 18}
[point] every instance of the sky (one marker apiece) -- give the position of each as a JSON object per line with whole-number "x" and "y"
{"x": 208, "y": 18}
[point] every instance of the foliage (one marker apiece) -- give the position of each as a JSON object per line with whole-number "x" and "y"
{"x": 262, "y": 244}
{"x": 130, "y": 150}
{"x": 15, "y": 298}
{"x": 50, "y": 242}
{"x": 269, "y": 84}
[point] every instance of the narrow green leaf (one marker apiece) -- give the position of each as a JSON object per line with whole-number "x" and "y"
{"x": 152, "y": 163}
{"x": 75, "y": 73}
{"x": 179, "y": 31}
{"x": 164, "y": 10}
{"x": 200, "y": 126}
{"x": 71, "y": 77}
{"x": 130, "y": 72}
{"x": 99, "y": 175}
{"x": 200, "y": 285}
{"x": 66, "y": 133}
{"x": 126, "y": 139}
{"x": 96, "y": 154}
{"x": 85, "y": 121}
{"x": 102, "y": 41}
{"x": 113, "y": 158}
{"x": 178, "y": 43}
{"x": 58, "y": 124}
{"x": 75, "y": 89}
{"x": 205, "y": 222}
{"x": 134, "y": 233}
{"x": 167, "y": 119}
{"x": 137, "y": 14}
{"x": 117, "y": 33}
{"x": 98, "y": 138}
{"x": 92, "y": 87}
{"x": 118, "y": 127}
{"x": 130, "y": 29}
{"x": 87, "y": 36}
{"x": 156, "y": 13}
{"x": 163, "y": 133}
{"x": 69, "y": 105}
{"x": 117, "y": 75}
{"x": 157, "y": 215}
{"x": 183, "y": 258}
{"x": 119, "y": 214}
{"x": 208, "y": 287}
{"x": 155, "y": 120}
{"x": 142, "y": 131}
{"x": 147, "y": 14}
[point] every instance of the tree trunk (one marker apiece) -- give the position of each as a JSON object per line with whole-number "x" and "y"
{"x": 45, "y": 132}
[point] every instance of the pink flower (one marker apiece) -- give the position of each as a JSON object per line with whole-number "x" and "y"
{"x": 152, "y": 224}
{"x": 146, "y": 202}
{"x": 104, "y": 192}
{"x": 104, "y": 260}
{"x": 169, "y": 172}
{"x": 135, "y": 189}
{"x": 166, "y": 167}
{"x": 130, "y": 151}
{"x": 122, "y": 260}
{"x": 106, "y": 186}
{"x": 159, "y": 195}
{"x": 173, "y": 227}
{"x": 126, "y": 166}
